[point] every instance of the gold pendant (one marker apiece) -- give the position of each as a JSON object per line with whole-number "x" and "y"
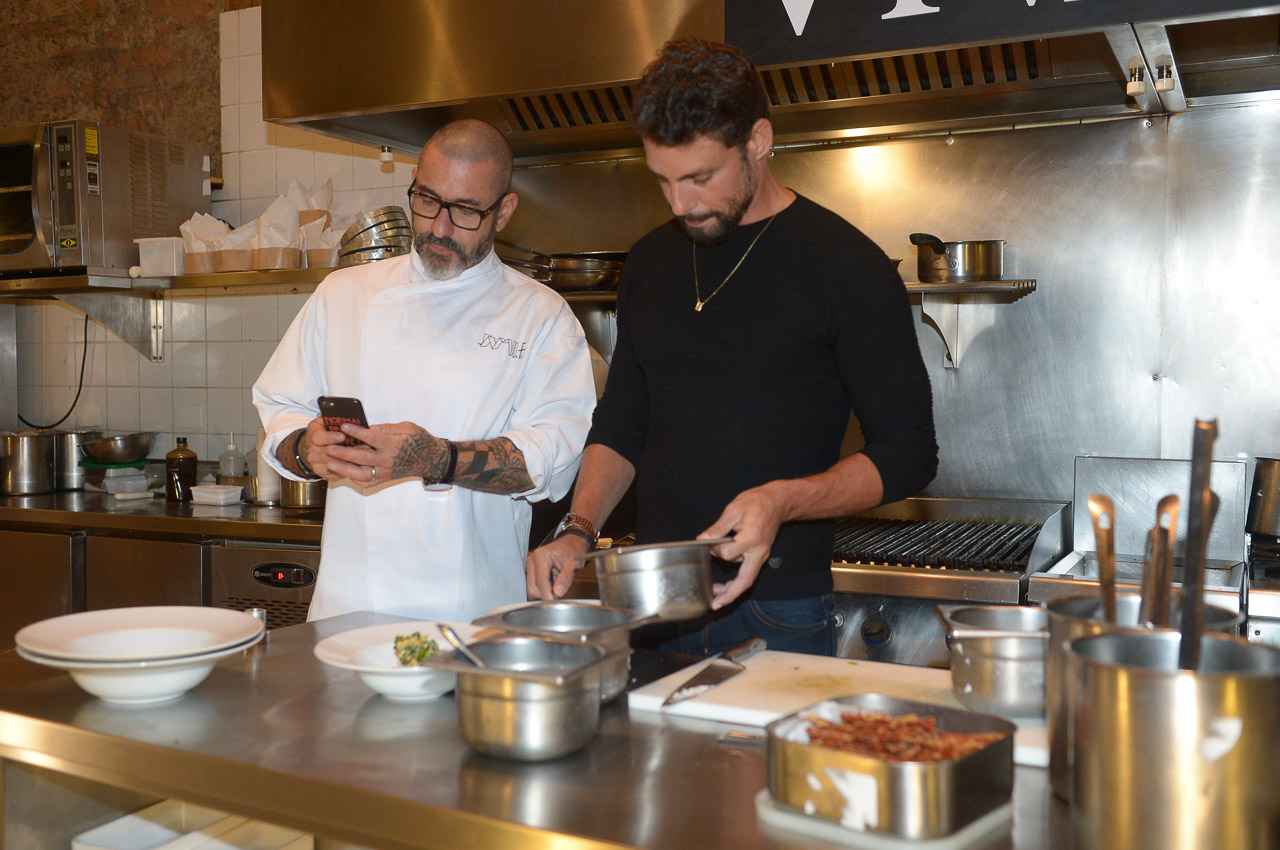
{"x": 697, "y": 307}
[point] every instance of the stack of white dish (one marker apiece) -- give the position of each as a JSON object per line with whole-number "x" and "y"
{"x": 137, "y": 656}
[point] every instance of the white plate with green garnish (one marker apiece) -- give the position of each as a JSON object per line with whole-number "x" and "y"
{"x": 371, "y": 654}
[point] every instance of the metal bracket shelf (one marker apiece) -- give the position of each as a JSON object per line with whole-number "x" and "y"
{"x": 940, "y": 307}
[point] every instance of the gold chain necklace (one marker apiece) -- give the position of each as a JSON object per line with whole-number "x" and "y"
{"x": 697, "y": 291}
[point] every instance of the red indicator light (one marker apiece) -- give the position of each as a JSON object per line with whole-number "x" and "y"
{"x": 280, "y": 575}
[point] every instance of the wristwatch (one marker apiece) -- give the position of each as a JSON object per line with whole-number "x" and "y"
{"x": 579, "y": 525}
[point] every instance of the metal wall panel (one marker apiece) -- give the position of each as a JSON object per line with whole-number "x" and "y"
{"x": 1141, "y": 235}
{"x": 1222, "y": 319}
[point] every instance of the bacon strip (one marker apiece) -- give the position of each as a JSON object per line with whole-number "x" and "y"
{"x": 907, "y": 737}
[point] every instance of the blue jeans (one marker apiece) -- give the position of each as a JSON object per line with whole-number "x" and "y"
{"x": 792, "y": 625}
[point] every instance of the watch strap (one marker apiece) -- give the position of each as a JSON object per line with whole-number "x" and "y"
{"x": 580, "y": 525}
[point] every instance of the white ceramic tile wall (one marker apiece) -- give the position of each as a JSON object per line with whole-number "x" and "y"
{"x": 216, "y": 344}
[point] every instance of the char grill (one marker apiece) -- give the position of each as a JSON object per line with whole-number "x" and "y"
{"x": 937, "y": 544}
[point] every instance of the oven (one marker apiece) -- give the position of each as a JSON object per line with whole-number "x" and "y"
{"x": 280, "y": 578}
{"x": 75, "y": 194}
{"x": 895, "y": 564}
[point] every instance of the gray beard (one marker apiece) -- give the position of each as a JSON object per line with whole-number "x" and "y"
{"x": 441, "y": 269}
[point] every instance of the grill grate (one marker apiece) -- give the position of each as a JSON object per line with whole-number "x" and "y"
{"x": 936, "y": 544}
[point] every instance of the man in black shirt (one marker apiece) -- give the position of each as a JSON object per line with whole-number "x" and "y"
{"x": 748, "y": 327}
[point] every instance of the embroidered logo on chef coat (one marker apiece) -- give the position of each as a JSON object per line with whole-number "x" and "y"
{"x": 515, "y": 348}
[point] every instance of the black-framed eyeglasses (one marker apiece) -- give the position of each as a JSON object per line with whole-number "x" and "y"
{"x": 462, "y": 215}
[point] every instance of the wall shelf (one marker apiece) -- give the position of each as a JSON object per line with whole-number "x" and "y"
{"x": 940, "y": 307}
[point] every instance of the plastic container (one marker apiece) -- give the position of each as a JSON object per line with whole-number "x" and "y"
{"x": 162, "y": 256}
{"x": 232, "y": 461}
{"x": 167, "y": 825}
{"x": 179, "y": 472}
{"x": 216, "y": 494}
{"x": 134, "y": 483}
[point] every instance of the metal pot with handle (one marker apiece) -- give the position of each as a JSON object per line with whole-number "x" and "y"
{"x": 957, "y": 262}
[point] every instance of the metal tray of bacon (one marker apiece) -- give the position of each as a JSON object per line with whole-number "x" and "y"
{"x": 925, "y": 788}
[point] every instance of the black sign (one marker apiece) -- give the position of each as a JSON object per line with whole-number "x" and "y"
{"x": 779, "y": 31}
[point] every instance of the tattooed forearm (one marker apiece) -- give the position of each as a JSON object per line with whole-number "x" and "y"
{"x": 492, "y": 466}
{"x": 420, "y": 455}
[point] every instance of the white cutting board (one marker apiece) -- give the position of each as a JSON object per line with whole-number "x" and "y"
{"x": 775, "y": 684}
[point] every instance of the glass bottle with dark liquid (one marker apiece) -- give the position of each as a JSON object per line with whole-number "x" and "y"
{"x": 179, "y": 472}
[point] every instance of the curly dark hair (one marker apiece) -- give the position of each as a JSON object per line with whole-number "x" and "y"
{"x": 699, "y": 88}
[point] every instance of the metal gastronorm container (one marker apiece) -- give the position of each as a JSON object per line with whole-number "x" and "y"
{"x": 903, "y": 799}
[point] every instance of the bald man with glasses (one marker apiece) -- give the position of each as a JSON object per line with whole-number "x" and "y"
{"x": 483, "y": 377}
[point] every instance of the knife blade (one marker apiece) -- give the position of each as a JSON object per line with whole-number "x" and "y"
{"x": 723, "y": 666}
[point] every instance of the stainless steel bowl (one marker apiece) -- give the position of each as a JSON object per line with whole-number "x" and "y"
{"x": 364, "y": 221}
{"x": 122, "y": 448}
{"x": 369, "y": 255}
{"x": 538, "y": 698}
{"x": 997, "y": 657}
{"x": 669, "y": 581}
{"x": 608, "y": 628}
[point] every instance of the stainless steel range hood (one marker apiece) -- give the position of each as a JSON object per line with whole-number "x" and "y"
{"x": 557, "y": 76}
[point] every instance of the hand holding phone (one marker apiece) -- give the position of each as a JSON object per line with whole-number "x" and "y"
{"x": 335, "y": 410}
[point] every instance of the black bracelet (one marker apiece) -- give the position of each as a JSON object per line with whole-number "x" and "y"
{"x": 302, "y": 464}
{"x": 578, "y": 532}
{"x": 450, "y": 467}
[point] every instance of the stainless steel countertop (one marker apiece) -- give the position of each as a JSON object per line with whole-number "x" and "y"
{"x": 79, "y": 509}
{"x": 276, "y": 735}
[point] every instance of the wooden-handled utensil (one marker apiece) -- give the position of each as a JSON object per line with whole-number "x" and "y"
{"x": 1157, "y": 575}
{"x": 1103, "y": 512}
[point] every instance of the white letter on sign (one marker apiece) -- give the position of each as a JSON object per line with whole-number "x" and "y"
{"x": 798, "y": 12}
{"x": 906, "y": 8}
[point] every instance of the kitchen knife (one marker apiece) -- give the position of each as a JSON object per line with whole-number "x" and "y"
{"x": 723, "y": 666}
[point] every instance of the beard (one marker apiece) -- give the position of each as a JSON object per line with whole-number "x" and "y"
{"x": 724, "y": 222}
{"x": 444, "y": 268}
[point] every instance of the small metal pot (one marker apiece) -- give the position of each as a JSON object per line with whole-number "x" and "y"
{"x": 1264, "y": 503}
{"x": 608, "y": 628}
{"x": 26, "y": 462}
{"x": 997, "y": 657}
{"x": 669, "y": 581}
{"x": 304, "y": 495}
{"x": 69, "y": 474}
{"x": 538, "y": 698}
{"x": 957, "y": 262}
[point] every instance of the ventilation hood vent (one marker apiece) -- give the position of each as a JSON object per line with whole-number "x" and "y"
{"x": 560, "y": 82}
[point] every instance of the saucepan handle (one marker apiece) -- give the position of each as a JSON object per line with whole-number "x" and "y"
{"x": 939, "y": 247}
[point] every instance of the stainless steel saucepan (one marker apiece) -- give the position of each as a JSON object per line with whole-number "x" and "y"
{"x": 957, "y": 262}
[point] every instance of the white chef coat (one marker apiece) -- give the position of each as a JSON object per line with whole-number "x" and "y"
{"x": 490, "y": 353}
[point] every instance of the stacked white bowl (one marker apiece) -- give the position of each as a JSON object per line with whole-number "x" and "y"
{"x": 138, "y": 656}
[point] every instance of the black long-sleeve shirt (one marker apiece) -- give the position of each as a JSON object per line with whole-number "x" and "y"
{"x": 759, "y": 385}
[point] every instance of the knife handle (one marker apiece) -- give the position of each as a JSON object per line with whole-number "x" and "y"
{"x": 740, "y": 652}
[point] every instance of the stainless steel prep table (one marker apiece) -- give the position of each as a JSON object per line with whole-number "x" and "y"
{"x": 274, "y": 734}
